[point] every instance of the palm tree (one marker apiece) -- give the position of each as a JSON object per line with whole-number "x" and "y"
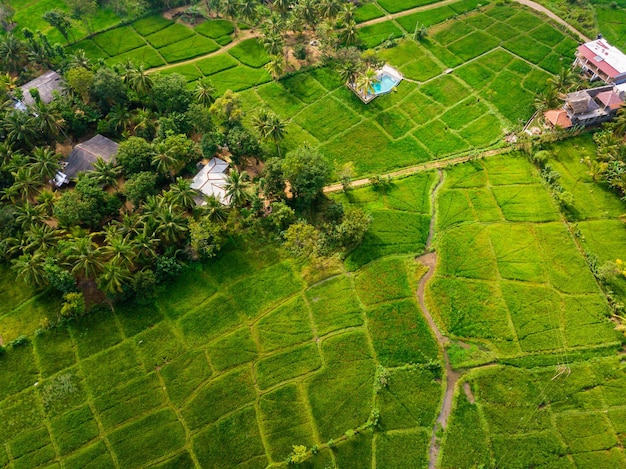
{"x": 46, "y": 199}
{"x": 120, "y": 250}
{"x": 420, "y": 31}
{"x": 329, "y": 9}
{"x": 562, "y": 81}
{"x": 273, "y": 43}
{"x": 347, "y": 13}
{"x": 26, "y": 184}
{"x": 237, "y": 188}
{"x": 365, "y": 82}
{"x": 20, "y": 128}
{"x": 30, "y": 268}
{"x": 145, "y": 245}
{"x": 140, "y": 81}
{"x": 181, "y": 193}
{"x": 40, "y": 238}
{"x": 106, "y": 172}
{"x": 12, "y": 54}
{"x": 619, "y": 124}
{"x": 205, "y": 89}
{"x": 276, "y": 66}
{"x": 48, "y": 119}
{"x": 214, "y": 209}
{"x": 269, "y": 125}
{"x": 547, "y": 99}
{"x": 165, "y": 160}
{"x": 247, "y": 11}
{"x": 282, "y": 6}
{"x": 307, "y": 11}
{"x": 120, "y": 118}
{"x": 171, "y": 224}
{"x": 350, "y": 34}
{"x": 46, "y": 163}
{"x": 85, "y": 257}
{"x": 231, "y": 9}
{"x": 142, "y": 121}
{"x": 79, "y": 59}
{"x": 28, "y": 215}
{"x": 113, "y": 278}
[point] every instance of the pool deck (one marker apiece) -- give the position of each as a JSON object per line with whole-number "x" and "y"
{"x": 385, "y": 70}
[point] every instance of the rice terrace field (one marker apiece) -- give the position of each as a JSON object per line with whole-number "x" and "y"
{"x": 244, "y": 357}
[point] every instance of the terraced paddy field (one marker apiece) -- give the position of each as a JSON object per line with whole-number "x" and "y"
{"x": 246, "y": 356}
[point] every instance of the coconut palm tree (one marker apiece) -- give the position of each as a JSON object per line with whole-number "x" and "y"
{"x": 106, "y": 172}
{"x": 274, "y": 43}
{"x": 350, "y": 34}
{"x": 204, "y": 91}
{"x": 140, "y": 81}
{"x": 619, "y": 124}
{"x": 48, "y": 119}
{"x": 12, "y": 53}
{"x": 46, "y": 163}
{"x": 269, "y": 125}
{"x": 84, "y": 257}
{"x": 30, "y": 268}
{"x": 563, "y": 80}
{"x": 181, "y": 193}
{"x": 282, "y": 6}
{"x": 21, "y": 129}
{"x": 307, "y": 11}
{"x": 547, "y": 99}
{"x": 165, "y": 160}
{"x": 237, "y": 188}
{"x": 365, "y": 82}
{"x": 120, "y": 118}
{"x": 347, "y": 13}
{"x": 26, "y": 185}
{"x": 27, "y": 215}
{"x": 145, "y": 245}
{"x": 40, "y": 238}
{"x": 171, "y": 224}
{"x": 248, "y": 11}
{"x": 119, "y": 250}
{"x": 79, "y": 59}
{"x": 46, "y": 199}
{"x": 214, "y": 209}
{"x": 231, "y": 9}
{"x": 114, "y": 278}
{"x": 276, "y": 66}
{"x": 329, "y": 9}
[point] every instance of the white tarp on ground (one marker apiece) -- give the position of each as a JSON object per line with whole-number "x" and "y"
{"x": 211, "y": 180}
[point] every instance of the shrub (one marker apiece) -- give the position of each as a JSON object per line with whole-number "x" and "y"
{"x": 74, "y": 305}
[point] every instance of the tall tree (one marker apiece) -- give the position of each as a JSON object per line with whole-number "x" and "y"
{"x": 59, "y": 20}
{"x": 204, "y": 91}
{"x": 46, "y": 163}
{"x": 276, "y": 66}
{"x": 84, "y": 257}
{"x": 237, "y": 188}
{"x": 365, "y": 82}
{"x": 21, "y": 129}
{"x": 30, "y": 268}
{"x": 231, "y": 9}
{"x": 12, "y": 55}
{"x": 106, "y": 172}
{"x": 83, "y": 10}
{"x": 307, "y": 171}
{"x": 181, "y": 194}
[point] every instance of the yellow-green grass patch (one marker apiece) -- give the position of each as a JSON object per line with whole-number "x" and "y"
{"x": 250, "y": 52}
{"x": 335, "y": 116}
{"x": 341, "y": 394}
{"x": 476, "y": 75}
{"x": 527, "y": 48}
{"x": 467, "y": 175}
{"x": 184, "y": 375}
{"x": 32, "y": 449}
{"x": 151, "y": 24}
{"x": 400, "y": 334}
{"x": 446, "y": 90}
{"x": 61, "y": 392}
{"x": 529, "y": 202}
{"x": 239, "y": 78}
{"x": 304, "y": 87}
{"x": 287, "y": 365}
{"x": 517, "y": 252}
{"x": 367, "y": 11}
{"x": 93, "y": 457}
{"x": 55, "y": 351}
{"x": 334, "y": 305}
{"x": 158, "y": 345}
{"x": 74, "y": 429}
{"x": 453, "y": 207}
{"x": 215, "y": 28}
{"x": 111, "y": 368}
{"x": 189, "y": 71}
{"x": 426, "y": 18}
{"x": 143, "y": 440}
{"x": 217, "y": 63}
{"x": 509, "y": 169}
{"x": 284, "y": 420}
{"x": 95, "y": 333}
{"x": 473, "y": 45}
{"x": 146, "y": 56}
{"x": 170, "y": 35}
{"x": 397, "y": 450}
{"x": 466, "y": 251}
{"x": 219, "y": 397}
{"x": 130, "y": 400}
{"x": 232, "y": 442}
{"x": 232, "y": 350}
{"x": 280, "y": 100}
{"x": 135, "y": 318}
{"x": 119, "y": 40}
{"x": 411, "y": 194}
{"x": 188, "y": 48}
{"x": 18, "y": 370}
{"x": 373, "y": 35}
{"x": 289, "y": 324}
{"x": 382, "y": 281}
{"x": 440, "y": 141}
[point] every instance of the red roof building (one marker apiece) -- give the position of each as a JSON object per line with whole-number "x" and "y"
{"x": 602, "y": 60}
{"x": 558, "y": 118}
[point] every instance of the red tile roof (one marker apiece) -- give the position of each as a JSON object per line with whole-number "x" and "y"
{"x": 604, "y": 56}
{"x": 558, "y": 118}
{"x": 610, "y": 99}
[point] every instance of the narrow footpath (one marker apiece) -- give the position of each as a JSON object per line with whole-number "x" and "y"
{"x": 429, "y": 260}
{"x": 437, "y": 164}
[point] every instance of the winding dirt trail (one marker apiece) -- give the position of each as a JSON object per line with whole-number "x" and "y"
{"x": 429, "y": 260}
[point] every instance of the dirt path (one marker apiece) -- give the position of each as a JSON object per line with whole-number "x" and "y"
{"x": 438, "y": 164}
{"x": 540, "y": 8}
{"x": 430, "y": 261}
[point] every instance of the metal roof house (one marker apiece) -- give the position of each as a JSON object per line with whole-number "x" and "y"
{"x": 83, "y": 156}
{"x": 45, "y": 85}
{"x": 602, "y": 61}
{"x": 211, "y": 180}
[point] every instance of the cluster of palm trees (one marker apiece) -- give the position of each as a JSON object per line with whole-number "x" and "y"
{"x": 332, "y": 20}
{"x": 557, "y": 87}
{"x": 611, "y": 154}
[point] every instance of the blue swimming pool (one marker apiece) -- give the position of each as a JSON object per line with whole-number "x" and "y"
{"x": 385, "y": 85}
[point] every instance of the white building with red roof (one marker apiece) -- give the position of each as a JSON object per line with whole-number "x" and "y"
{"x": 602, "y": 60}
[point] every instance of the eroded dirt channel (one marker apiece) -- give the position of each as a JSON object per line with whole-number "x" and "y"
{"x": 429, "y": 260}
